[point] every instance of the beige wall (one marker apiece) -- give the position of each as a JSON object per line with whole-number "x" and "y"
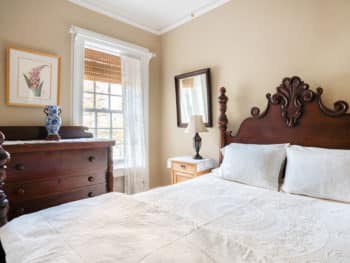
{"x": 43, "y": 25}
{"x": 250, "y": 45}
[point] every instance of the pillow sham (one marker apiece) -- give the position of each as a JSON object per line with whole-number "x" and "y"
{"x": 318, "y": 172}
{"x": 254, "y": 164}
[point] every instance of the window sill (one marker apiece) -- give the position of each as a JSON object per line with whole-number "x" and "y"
{"x": 118, "y": 172}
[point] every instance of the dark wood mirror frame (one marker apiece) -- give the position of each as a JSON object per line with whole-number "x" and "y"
{"x": 205, "y": 71}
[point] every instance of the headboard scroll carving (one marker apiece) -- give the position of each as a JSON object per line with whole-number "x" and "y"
{"x": 340, "y": 106}
{"x": 294, "y": 114}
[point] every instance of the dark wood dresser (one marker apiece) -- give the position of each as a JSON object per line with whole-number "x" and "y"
{"x": 47, "y": 173}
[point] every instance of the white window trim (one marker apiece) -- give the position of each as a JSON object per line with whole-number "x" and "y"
{"x": 81, "y": 37}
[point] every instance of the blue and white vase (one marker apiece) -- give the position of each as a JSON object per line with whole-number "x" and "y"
{"x": 53, "y": 121}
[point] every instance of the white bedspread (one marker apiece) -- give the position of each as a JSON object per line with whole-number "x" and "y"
{"x": 202, "y": 220}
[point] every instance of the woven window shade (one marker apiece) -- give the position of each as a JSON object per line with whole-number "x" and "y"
{"x": 100, "y": 66}
{"x": 187, "y": 83}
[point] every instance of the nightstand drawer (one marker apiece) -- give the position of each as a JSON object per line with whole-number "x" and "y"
{"x": 180, "y": 177}
{"x": 184, "y": 167}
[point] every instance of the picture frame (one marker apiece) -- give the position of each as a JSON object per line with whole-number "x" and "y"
{"x": 33, "y": 78}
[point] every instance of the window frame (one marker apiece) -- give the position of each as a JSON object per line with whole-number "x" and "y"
{"x": 81, "y": 38}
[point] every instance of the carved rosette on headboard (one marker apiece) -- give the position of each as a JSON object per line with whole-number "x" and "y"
{"x": 291, "y": 96}
{"x": 294, "y": 114}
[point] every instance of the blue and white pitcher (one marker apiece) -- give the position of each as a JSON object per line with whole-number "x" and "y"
{"x": 53, "y": 121}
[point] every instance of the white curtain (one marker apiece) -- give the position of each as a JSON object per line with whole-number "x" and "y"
{"x": 135, "y": 165}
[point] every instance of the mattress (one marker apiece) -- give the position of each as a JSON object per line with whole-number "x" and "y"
{"x": 206, "y": 219}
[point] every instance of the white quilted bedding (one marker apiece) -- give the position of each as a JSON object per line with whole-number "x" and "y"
{"x": 202, "y": 220}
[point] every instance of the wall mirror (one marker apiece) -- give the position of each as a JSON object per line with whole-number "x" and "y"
{"x": 193, "y": 97}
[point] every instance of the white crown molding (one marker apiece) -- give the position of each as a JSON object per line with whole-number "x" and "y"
{"x": 193, "y": 15}
{"x": 201, "y": 11}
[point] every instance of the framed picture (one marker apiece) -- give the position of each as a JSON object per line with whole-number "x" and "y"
{"x": 32, "y": 78}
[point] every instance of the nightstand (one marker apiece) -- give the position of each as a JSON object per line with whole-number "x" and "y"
{"x": 185, "y": 167}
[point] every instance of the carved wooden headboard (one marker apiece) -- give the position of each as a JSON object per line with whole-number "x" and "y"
{"x": 294, "y": 114}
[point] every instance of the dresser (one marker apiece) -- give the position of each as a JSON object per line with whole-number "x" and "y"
{"x": 184, "y": 168}
{"x": 43, "y": 173}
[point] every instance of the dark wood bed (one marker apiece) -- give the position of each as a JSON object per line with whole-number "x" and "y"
{"x": 295, "y": 114}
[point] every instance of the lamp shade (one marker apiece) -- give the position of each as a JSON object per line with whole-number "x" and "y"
{"x": 196, "y": 125}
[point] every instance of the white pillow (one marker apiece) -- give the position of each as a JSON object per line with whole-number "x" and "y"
{"x": 254, "y": 164}
{"x": 318, "y": 172}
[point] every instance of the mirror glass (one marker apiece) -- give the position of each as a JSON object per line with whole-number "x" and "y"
{"x": 193, "y": 97}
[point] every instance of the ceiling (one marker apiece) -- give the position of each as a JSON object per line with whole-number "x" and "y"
{"x": 156, "y": 16}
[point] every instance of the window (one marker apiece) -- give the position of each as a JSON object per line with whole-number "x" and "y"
{"x": 103, "y": 99}
{"x": 109, "y": 110}
{"x": 103, "y": 113}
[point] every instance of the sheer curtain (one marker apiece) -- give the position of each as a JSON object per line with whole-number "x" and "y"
{"x": 135, "y": 166}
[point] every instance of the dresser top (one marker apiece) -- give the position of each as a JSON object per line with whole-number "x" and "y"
{"x": 42, "y": 145}
{"x": 21, "y": 142}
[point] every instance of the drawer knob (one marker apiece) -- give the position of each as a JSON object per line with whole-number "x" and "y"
{"x": 20, "y": 191}
{"x": 19, "y": 167}
{"x": 90, "y": 194}
{"x": 183, "y": 166}
{"x": 20, "y": 211}
{"x": 91, "y": 158}
{"x": 91, "y": 179}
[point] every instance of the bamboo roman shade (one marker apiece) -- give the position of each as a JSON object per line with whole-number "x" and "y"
{"x": 101, "y": 66}
{"x": 187, "y": 83}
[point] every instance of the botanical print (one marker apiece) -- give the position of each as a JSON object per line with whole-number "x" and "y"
{"x": 33, "y": 80}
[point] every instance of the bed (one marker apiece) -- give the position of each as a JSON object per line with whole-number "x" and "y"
{"x": 207, "y": 219}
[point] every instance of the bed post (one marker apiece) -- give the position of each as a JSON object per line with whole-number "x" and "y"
{"x": 4, "y": 204}
{"x": 222, "y": 118}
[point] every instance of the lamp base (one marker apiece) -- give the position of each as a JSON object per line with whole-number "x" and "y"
{"x": 197, "y": 157}
{"x": 197, "y": 142}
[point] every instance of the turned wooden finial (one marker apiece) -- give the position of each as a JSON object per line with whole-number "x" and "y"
{"x": 222, "y": 108}
{"x": 223, "y": 121}
{"x": 4, "y": 204}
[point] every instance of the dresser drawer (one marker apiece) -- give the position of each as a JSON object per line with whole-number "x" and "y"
{"x": 184, "y": 167}
{"x": 20, "y": 191}
{"x": 29, "y": 206}
{"x": 27, "y": 166}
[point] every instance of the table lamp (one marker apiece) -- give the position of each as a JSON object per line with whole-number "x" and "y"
{"x": 196, "y": 126}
